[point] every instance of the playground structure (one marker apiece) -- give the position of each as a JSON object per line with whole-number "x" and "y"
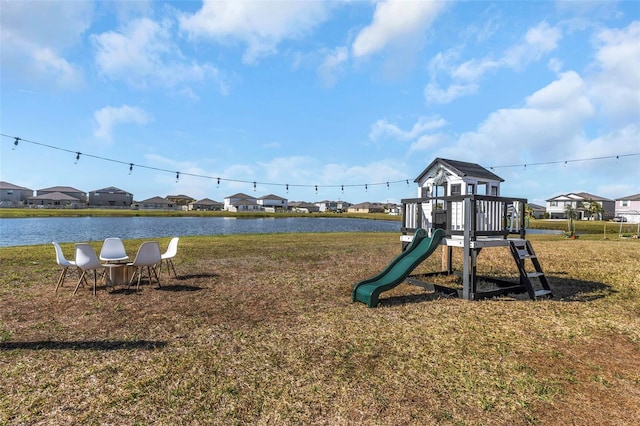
{"x": 452, "y": 207}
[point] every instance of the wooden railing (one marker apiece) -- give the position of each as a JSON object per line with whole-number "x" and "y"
{"x": 478, "y": 215}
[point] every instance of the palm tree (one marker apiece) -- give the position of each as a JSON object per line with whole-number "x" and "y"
{"x": 595, "y": 209}
{"x": 570, "y": 213}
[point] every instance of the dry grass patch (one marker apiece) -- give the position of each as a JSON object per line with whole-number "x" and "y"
{"x": 261, "y": 330}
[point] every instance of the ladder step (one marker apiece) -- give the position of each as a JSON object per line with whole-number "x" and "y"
{"x": 526, "y": 255}
{"x": 542, "y": 293}
{"x": 535, "y": 274}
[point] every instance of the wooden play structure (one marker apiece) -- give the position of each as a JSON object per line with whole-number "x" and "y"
{"x": 463, "y": 199}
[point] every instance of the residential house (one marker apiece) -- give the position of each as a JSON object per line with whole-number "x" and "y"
{"x": 156, "y": 203}
{"x": 273, "y": 203}
{"x": 333, "y": 206}
{"x": 579, "y": 202}
{"x": 180, "y": 200}
{"x": 13, "y": 195}
{"x": 206, "y": 204}
{"x": 537, "y": 211}
{"x": 110, "y": 197}
{"x": 241, "y": 203}
{"x": 72, "y": 192}
{"x": 628, "y": 208}
{"x": 55, "y": 200}
{"x": 303, "y": 207}
{"x": 366, "y": 207}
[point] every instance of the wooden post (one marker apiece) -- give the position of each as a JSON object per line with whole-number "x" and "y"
{"x": 466, "y": 266}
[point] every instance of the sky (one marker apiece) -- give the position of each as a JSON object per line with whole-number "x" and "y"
{"x": 319, "y": 100}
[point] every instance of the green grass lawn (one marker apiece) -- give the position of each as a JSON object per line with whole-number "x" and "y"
{"x": 260, "y": 329}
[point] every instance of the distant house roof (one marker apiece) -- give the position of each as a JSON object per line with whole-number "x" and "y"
{"x": 109, "y": 190}
{"x": 271, "y": 197}
{"x": 206, "y": 201}
{"x": 55, "y": 196}
{"x": 635, "y": 197}
{"x": 157, "y": 200}
{"x": 60, "y": 189}
{"x": 579, "y": 196}
{"x": 241, "y": 196}
{"x": 536, "y": 207}
{"x": 7, "y": 185}
{"x": 588, "y": 196}
{"x": 461, "y": 168}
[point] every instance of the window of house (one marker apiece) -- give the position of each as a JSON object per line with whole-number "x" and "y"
{"x": 553, "y": 204}
{"x": 471, "y": 188}
{"x": 624, "y": 203}
{"x": 456, "y": 189}
{"x": 494, "y": 191}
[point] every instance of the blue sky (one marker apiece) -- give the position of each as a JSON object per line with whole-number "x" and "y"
{"x": 319, "y": 95}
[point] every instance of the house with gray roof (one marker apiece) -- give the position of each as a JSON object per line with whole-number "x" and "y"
{"x": 110, "y": 197}
{"x": 206, "y": 204}
{"x": 13, "y": 195}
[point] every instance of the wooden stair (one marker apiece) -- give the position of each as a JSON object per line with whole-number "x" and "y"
{"x": 521, "y": 250}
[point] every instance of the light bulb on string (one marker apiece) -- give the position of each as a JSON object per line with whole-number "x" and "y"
{"x": 407, "y": 182}
{"x": 218, "y": 184}
{"x": 130, "y": 168}
{"x": 177, "y": 176}
{"x": 77, "y": 157}
{"x": 287, "y": 186}
{"x": 617, "y": 159}
{"x": 366, "y": 188}
{"x": 387, "y": 185}
{"x": 316, "y": 189}
{"x": 15, "y": 143}
{"x": 342, "y": 188}
{"x": 254, "y": 186}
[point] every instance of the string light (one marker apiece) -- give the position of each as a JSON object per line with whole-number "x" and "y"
{"x": 316, "y": 189}
{"x": 218, "y": 184}
{"x": 254, "y": 186}
{"x": 366, "y": 188}
{"x": 16, "y": 140}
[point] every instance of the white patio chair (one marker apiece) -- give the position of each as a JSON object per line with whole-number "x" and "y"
{"x": 148, "y": 256}
{"x": 113, "y": 250}
{"x": 63, "y": 263}
{"x": 87, "y": 260}
{"x": 167, "y": 256}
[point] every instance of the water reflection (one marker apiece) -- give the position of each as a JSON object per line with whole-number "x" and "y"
{"x": 31, "y": 231}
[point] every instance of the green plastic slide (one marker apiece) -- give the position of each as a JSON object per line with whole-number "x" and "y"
{"x": 421, "y": 247}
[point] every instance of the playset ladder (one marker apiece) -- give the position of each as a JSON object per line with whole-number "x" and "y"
{"x": 521, "y": 251}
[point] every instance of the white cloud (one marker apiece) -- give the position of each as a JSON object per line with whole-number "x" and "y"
{"x": 616, "y": 84}
{"x": 109, "y": 117}
{"x": 333, "y": 65}
{"x": 434, "y": 94}
{"x": 464, "y": 78}
{"x": 550, "y": 125}
{"x": 382, "y": 128}
{"x": 35, "y": 37}
{"x": 395, "y": 22}
{"x": 144, "y": 54}
{"x": 261, "y": 25}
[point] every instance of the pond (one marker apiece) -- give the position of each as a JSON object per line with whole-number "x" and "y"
{"x": 32, "y": 231}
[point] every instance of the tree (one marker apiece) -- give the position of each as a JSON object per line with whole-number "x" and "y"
{"x": 570, "y": 213}
{"x": 594, "y": 209}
